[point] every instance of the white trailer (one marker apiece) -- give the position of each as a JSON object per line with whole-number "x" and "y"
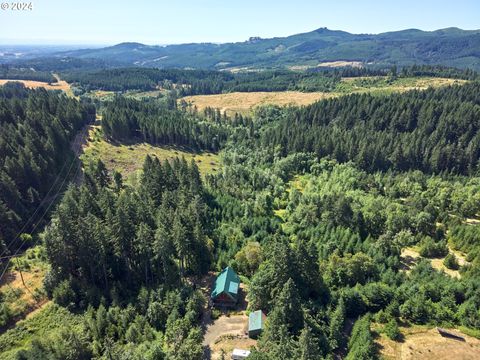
{"x": 239, "y": 354}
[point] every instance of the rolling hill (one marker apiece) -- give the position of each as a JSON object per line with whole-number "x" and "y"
{"x": 452, "y": 47}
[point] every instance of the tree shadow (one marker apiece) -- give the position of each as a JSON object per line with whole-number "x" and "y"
{"x": 207, "y": 353}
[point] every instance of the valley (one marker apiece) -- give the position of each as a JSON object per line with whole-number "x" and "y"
{"x": 313, "y": 196}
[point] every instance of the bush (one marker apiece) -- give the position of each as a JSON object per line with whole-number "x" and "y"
{"x": 392, "y": 331}
{"x": 376, "y": 296}
{"x": 64, "y": 295}
{"x": 431, "y": 249}
{"x": 382, "y": 317}
{"x": 5, "y": 314}
{"x": 216, "y": 314}
{"x": 451, "y": 262}
{"x": 417, "y": 309}
{"x": 361, "y": 344}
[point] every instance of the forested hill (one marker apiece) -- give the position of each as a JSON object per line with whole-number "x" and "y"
{"x": 433, "y": 131}
{"x": 299, "y": 209}
{"x": 36, "y": 127}
{"x": 451, "y": 47}
{"x": 193, "y": 82}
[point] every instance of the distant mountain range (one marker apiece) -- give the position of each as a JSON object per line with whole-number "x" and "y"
{"x": 451, "y": 47}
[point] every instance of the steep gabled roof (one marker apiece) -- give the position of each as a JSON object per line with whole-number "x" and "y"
{"x": 226, "y": 282}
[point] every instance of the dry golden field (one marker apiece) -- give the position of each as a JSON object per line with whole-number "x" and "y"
{"x": 244, "y": 103}
{"x": 428, "y": 344}
{"x": 59, "y": 85}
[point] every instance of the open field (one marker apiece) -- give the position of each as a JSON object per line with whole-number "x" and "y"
{"x": 59, "y": 85}
{"x": 383, "y": 85}
{"x": 244, "y": 103}
{"x": 128, "y": 158}
{"x": 24, "y": 296}
{"x": 428, "y": 344}
{"x": 341, "y": 64}
{"x": 43, "y": 323}
{"x": 134, "y": 94}
{"x": 410, "y": 257}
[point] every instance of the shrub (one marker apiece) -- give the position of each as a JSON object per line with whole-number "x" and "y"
{"x": 451, "y": 262}
{"x": 64, "y": 295}
{"x": 392, "y": 331}
{"x": 432, "y": 249}
{"x": 216, "y": 314}
{"x": 5, "y": 314}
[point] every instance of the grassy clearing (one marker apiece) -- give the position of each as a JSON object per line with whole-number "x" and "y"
{"x": 245, "y": 103}
{"x": 43, "y": 324}
{"x": 226, "y": 343}
{"x": 384, "y": 85}
{"x": 22, "y": 299}
{"x": 410, "y": 257}
{"x": 134, "y": 94}
{"x": 127, "y": 159}
{"x": 437, "y": 264}
{"x": 422, "y": 342}
{"x": 59, "y": 85}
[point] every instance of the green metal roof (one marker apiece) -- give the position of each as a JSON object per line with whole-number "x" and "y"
{"x": 255, "y": 321}
{"x": 226, "y": 282}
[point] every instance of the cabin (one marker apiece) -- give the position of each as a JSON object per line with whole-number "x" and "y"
{"x": 226, "y": 288}
{"x": 256, "y": 323}
{"x": 239, "y": 354}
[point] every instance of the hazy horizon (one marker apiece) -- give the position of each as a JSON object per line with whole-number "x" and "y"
{"x": 91, "y": 23}
{"x": 55, "y": 44}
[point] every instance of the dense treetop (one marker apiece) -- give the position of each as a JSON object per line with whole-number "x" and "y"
{"x": 36, "y": 128}
{"x": 193, "y": 82}
{"x": 433, "y": 130}
{"x": 14, "y": 73}
{"x": 313, "y": 205}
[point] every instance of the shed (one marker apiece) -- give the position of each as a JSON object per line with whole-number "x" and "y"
{"x": 256, "y": 323}
{"x": 239, "y": 354}
{"x": 226, "y": 288}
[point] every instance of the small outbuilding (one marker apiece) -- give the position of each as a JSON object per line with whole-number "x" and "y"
{"x": 226, "y": 288}
{"x": 239, "y": 354}
{"x": 256, "y": 323}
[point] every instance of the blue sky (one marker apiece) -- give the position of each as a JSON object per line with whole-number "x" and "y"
{"x": 180, "y": 21}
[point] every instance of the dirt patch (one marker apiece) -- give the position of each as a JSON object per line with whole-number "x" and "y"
{"x": 428, "y": 344}
{"x": 227, "y": 343}
{"x": 437, "y": 264}
{"x": 225, "y": 334}
{"x": 409, "y": 259}
{"x": 225, "y": 325}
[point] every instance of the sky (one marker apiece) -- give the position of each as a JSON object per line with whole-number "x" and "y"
{"x": 182, "y": 21}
